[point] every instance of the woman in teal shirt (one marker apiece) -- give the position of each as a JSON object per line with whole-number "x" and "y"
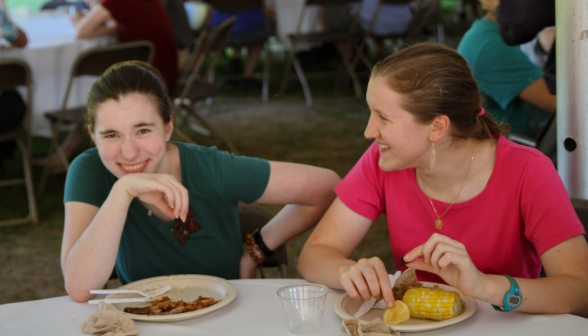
{"x": 121, "y": 197}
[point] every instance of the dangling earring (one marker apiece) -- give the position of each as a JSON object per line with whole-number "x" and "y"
{"x": 432, "y": 164}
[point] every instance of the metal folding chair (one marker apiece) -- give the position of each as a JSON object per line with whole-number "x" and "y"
{"x": 425, "y": 12}
{"x": 90, "y": 63}
{"x": 254, "y": 217}
{"x": 52, "y": 5}
{"x": 192, "y": 87}
{"x": 17, "y": 73}
{"x": 321, "y": 37}
{"x": 242, "y": 5}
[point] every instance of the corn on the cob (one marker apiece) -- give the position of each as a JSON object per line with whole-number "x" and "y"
{"x": 434, "y": 304}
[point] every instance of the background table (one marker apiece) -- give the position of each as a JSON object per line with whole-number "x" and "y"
{"x": 257, "y": 311}
{"x": 50, "y": 53}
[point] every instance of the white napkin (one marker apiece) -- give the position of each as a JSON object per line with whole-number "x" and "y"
{"x": 109, "y": 322}
{"x": 371, "y": 303}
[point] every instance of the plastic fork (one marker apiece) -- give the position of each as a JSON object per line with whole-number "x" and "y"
{"x": 150, "y": 294}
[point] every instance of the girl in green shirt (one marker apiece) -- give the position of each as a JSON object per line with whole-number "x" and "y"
{"x": 122, "y": 197}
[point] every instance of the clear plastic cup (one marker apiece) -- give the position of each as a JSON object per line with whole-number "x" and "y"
{"x": 304, "y": 305}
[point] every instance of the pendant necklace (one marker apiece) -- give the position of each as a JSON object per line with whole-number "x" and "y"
{"x": 438, "y": 222}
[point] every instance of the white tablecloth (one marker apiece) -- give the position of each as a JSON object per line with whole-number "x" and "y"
{"x": 50, "y": 53}
{"x": 258, "y": 311}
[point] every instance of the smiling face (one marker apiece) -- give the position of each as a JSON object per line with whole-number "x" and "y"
{"x": 130, "y": 135}
{"x": 404, "y": 143}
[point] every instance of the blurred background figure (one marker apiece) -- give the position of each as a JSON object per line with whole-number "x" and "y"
{"x": 136, "y": 20}
{"x": 391, "y": 19}
{"x": 12, "y": 108}
{"x": 9, "y": 30}
{"x": 183, "y": 35}
{"x": 523, "y": 20}
{"x": 462, "y": 14}
{"x": 250, "y": 33}
{"x": 513, "y": 87}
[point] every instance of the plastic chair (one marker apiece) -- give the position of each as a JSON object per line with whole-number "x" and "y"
{"x": 192, "y": 88}
{"x": 17, "y": 73}
{"x": 243, "y": 5}
{"x": 321, "y": 37}
{"x": 252, "y": 217}
{"x": 92, "y": 62}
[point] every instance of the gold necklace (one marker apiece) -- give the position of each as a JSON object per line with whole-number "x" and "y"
{"x": 438, "y": 222}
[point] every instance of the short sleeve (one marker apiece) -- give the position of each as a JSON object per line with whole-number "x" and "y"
{"x": 116, "y": 8}
{"x": 548, "y": 214}
{"x": 8, "y": 29}
{"x": 88, "y": 181}
{"x": 241, "y": 178}
{"x": 504, "y": 80}
{"x": 362, "y": 190}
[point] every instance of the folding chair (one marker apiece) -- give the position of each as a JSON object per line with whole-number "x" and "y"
{"x": 425, "y": 12}
{"x": 321, "y": 37}
{"x": 192, "y": 88}
{"x": 52, "y": 5}
{"x": 546, "y": 141}
{"x": 92, "y": 62}
{"x": 254, "y": 217}
{"x": 243, "y": 5}
{"x": 17, "y": 73}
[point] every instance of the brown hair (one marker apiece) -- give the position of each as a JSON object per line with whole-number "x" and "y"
{"x": 435, "y": 80}
{"x": 126, "y": 78}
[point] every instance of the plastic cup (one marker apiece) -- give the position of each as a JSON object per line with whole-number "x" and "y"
{"x": 304, "y": 305}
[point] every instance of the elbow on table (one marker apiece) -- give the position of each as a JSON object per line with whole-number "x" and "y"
{"x": 77, "y": 293}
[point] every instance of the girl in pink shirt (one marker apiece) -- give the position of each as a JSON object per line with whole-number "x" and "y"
{"x": 464, "y": 205}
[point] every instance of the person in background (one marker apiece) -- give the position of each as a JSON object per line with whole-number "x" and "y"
{"x": 249, "y": 32}
{"x": 391, "y": 19}
{"x": 121, "y": 198}
{"x": 520, "y": 21}
{"x": 136, "y": 20}
{"x": 514, "y": 89}
{"x": 10, "y": 31}
{"x": 12, "y": 108}
{"x": 181, "y": 27}
{"x": 464, "y": 205}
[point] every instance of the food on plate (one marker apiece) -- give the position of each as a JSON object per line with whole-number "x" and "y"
{"x": 167, "y": 307}
{"x": 183, "y": 230}
{"x": 397, "y": 314}
{"x": 433, "y": 304}
{"x": 406, "y": 281}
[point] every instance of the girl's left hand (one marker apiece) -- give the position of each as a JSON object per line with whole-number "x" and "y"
{"x": 448, "y": 259}
{"x": 247, "y": 267}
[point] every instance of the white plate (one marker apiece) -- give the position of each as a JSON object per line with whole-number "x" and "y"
{"x": 185, "y": 287}
{"x": 346, "y": 307}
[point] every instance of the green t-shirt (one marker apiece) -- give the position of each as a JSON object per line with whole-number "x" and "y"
{"x": 501, "y": 72}
{"x": 216, "y": 182}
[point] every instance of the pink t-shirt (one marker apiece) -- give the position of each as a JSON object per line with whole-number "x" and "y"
{"x": 523, "y": 211}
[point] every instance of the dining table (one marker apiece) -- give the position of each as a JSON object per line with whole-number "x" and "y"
{"x": 257, "y": 310}
{"x": 50, "y": 53}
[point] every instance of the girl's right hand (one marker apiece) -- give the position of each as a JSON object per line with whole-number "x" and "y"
{"x": 162, "y": 191}
{"x": 366, "y": 279}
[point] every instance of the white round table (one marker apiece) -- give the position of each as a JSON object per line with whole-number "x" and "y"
{"x": 50, "y": 53}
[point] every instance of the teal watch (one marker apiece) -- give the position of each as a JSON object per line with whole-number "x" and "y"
{"x": 512, "y": 299}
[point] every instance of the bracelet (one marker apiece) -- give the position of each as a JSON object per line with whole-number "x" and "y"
{"x": 255, "y": 252}
{"x": 259, "y": 241}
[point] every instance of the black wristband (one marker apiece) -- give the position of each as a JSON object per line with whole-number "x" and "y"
{"x": 259, "y": 241}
